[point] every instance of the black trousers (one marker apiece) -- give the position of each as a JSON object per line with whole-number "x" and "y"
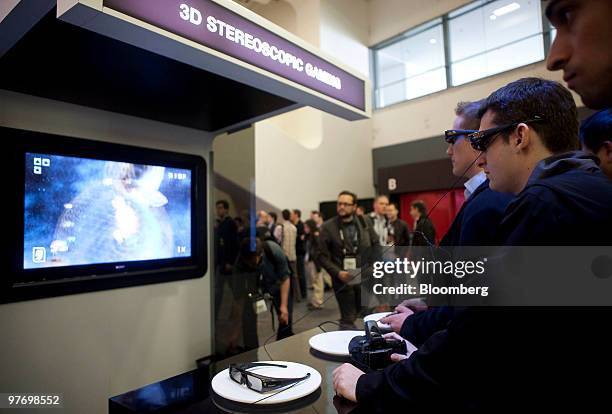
{"x": 301, "y": 272}
{"x": 349, "y": 301}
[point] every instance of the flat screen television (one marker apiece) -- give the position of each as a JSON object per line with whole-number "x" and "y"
{"x": 87, "y": 215}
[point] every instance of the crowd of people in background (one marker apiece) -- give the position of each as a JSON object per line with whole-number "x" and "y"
{"x": 298, "y": 256}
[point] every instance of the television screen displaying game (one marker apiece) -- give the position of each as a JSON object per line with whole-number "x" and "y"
{"x": 80, "y": 211}
{"x": 92, "y": 215}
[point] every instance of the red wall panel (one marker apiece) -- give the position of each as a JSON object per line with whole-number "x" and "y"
{"x": 442, "y": 215}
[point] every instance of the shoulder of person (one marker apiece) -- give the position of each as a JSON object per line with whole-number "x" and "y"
{"x": 275, "y": 248}
{"x": 534, "y": 201}
{"x": 488, "y": 200}
{"x": 367, "y": 220}
{"x": 427, "y": 221}
{"x": 330, "y": 223}
{"x": 535, "y": 194}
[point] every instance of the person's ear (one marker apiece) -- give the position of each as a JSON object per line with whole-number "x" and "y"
{"x": 607, "y": 150}
{"x": 521, "y": 137}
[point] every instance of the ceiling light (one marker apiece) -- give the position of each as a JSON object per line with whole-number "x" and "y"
{"x": 506, "y": 9}
{"x": 492, "y": 17}
{"x": 433, "y": 41}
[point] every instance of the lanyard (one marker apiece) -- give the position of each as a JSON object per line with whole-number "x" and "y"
{"x": 354, "y": 246}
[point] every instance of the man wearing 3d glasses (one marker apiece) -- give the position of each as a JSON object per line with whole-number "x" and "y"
{"x": 529, "y": 149}
{"x": 488, "y": 358}
{"x": 475, "y": 224}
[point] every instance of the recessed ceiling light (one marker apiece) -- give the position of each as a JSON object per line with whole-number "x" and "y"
{"x": 492, "y": 17}
{"x": 509, "y": 8}
{"x": 433, "y": 41}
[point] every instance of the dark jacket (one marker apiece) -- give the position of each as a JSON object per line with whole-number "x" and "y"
{"x": 419, "y": 327}
{"x": 226, "y": 242}
{"x": 567, "y": 201}
{"x": 245, "y": 280}
{"x": 274, "y": 267}
{"x": 477, "y": 222}
{"x": 424, "y": 232}
{"x": 267, "y": 276}
{"x": 401, "y": 232}
{"x": 300, "y": 241}
{"x": 312, "y": 246}
{"x": 331, "y": 254}
{"x": 508, "y": 358}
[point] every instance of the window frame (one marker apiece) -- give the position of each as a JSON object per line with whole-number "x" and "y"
{"x": 407, "y": 34}
{"x": 444, "y": 21}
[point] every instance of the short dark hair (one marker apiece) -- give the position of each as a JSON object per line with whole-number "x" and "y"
{"x": 596, "y": 129}
{"x": 311, "y": 224}
{"x": 246, "y": 248}
{"x": 527, "y": 98}
{"x": 394, "y": 205}
{"x": 549, "y": 8}
{"x": 224, "y": 203}
{"x": 286, "y": 214}
{"x": 469, "y": 111}
{"x": 297, "y": 212}
{"x": 378, "y": 197}
{"x": 421, "y": 206}
{"x": 273, "y": 215}
{"x": 348, "y": 193}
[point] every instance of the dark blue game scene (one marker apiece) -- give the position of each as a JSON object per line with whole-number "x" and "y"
{"x": 81, "y": 211}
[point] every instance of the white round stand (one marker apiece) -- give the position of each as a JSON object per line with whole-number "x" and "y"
{"x": 226, "y": 388}
{"x": 333, "y": 343}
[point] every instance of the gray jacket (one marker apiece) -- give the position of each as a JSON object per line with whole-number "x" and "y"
{"x": 331, "y": 253}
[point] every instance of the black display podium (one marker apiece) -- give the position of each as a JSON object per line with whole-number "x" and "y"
{"x": 190, "y": 392}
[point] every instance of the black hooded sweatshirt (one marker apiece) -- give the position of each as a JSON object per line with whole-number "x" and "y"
{"x": 507, "y": 359}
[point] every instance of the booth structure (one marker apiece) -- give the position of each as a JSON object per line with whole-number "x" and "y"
{"x": 161, "y": 75}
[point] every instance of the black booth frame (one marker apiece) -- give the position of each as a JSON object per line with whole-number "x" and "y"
{"x": 19, "y": 284}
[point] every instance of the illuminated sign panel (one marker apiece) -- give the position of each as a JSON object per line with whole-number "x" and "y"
{"x": 211, "y": 25}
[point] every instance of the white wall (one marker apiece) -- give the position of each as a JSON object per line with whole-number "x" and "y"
{"x": 392, "y": 17}
{"x": 344, "y": 32}
{"x": 95, "y": 345}
{"x": 300, "y": 17}
{"x": 305, "y": 156}
{"x": 289, "y": 175}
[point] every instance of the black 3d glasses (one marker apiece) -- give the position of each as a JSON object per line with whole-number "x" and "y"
{"x": 452, "y": 135}
{"x": 480, "y": 140}
{"x": 257, "y": 382}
